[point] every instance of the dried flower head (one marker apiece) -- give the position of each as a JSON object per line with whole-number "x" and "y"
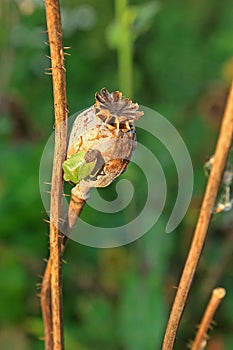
{"x": 102, "y": 142}
{"x": 113, "y": 110}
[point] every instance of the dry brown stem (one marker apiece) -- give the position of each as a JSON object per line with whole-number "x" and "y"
{"x": 45, "y": 300}
{"x": 74, "y": 211}
{"x": 75, "y": 207}
{"x": 217, "y": 295}
{"x": 51, "y": 293}
{"x": 214, "y": 181}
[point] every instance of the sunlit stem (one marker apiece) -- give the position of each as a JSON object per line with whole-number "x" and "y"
{"x": 124, "y": 48}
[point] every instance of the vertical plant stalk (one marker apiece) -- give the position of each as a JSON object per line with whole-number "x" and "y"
{"x": 217, "y": 295}
{"x": 52, "y": 283}
{"x": 124, "y": 48}
{"x": 75, "y": 207}
{"x": 45, "y": 301}
{"x": 213, "y": 184}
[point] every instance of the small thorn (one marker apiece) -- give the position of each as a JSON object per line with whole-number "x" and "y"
{"x": 48, "y": 56}
{"x": 67, "y": 54}
{"x": 40, "y": 276}
{"x": 45, "y": 260}
{"x": 211, "y": 327}
{"x": 61, "y": 236}
{"x": 64, "y": 261}
{"x": 47, "y": 221}
{"x": 175, "y": 287}
{"x": 67, "y": 47}
{"x": 62, "y": 220}
{"x": 48, "y": 73}
{"x": 48, "y": 183}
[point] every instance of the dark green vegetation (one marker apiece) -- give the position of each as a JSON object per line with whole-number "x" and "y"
{"x": 182, "y": 66}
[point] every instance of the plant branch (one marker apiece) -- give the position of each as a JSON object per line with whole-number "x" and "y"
{"x": 51, "y": 294}
{"x": 75, "y": 207}
{"x": 214, "y": 181}
{"x": 217, "y": 295}
{"x": 45, "y": 301}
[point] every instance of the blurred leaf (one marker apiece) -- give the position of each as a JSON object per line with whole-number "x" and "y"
{"x": 13, "y": 286}
{"x": 34, "y": 326}
{"x": 72, "y": 342}
{"x": 113, "y": 269}
{"x": 141, "y": 313}
{"x": 144, "y": 17}
{"x": 13, "y": 338}
{"x": 228, "y": 342}
{"x": 98, "y": 326}
{"x": 114, "y": 34}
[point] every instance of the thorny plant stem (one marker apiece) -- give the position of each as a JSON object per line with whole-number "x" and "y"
{"x": 214, "y": 181}
{"x": 75, "y": 208}
{"x": 217, "y": 295}
{"x": 52, "y": 283}
{"x": 45, "y": 300}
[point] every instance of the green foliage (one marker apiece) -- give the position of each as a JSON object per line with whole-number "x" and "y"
{"x": 173, "y": 56}
{"x": 142, "y": 311}
{"x": 129, "y": 23}
{"x": 13, "y": 287}
{"x": 142, "y": 316}
{"x": 144, "y": 17}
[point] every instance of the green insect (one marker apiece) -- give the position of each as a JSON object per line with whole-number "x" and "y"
{"x": 82, "y": 165}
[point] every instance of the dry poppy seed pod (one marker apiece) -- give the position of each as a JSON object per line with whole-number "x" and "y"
{"x": 101, "y": 143}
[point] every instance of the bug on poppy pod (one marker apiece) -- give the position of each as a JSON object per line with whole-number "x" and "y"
{"x": 102, "y": 141}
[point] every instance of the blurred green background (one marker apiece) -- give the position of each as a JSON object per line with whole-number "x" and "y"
{"x": 173, "y": 56}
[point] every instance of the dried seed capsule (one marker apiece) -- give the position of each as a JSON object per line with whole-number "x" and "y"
{"x": 102, "y": 141}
